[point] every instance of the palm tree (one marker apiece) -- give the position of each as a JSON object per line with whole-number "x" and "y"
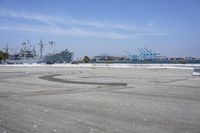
{"x": 86, "y": 59}
{"x": 3, "y": 56}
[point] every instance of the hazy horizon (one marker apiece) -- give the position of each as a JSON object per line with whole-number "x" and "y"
{"x": 88, "y": 27}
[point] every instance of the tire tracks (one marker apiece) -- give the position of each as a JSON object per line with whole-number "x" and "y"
{"x": 53, "y": 79}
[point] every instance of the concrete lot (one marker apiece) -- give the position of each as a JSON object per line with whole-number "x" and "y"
{"x": 96, "y": 100}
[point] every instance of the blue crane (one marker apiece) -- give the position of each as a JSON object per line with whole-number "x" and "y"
{"x": 142, "y": 54}
{"x": 150, "y": 53}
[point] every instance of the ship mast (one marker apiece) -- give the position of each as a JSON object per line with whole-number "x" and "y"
{"x": 41, "y": 48}
{"x": 24, "y": 50}
{"x": 52, "y": 46}
{"x": 34, "y": 51}
{"x": 6, "y": 48}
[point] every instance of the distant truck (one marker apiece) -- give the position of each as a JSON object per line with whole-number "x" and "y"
{"x": 196, "y": 72}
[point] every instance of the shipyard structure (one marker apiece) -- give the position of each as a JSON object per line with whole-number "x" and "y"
{"x": 46, "y": 54}
{"x": 142, "y": 55}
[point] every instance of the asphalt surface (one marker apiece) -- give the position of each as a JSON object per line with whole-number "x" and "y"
{"x": 98, "y": 100}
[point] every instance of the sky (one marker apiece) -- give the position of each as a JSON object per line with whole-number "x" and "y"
{"x": 93, "y": 27}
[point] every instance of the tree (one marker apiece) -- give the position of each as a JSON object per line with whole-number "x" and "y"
{"x": 3, "y": 56}
{"x": 86, "y": 59}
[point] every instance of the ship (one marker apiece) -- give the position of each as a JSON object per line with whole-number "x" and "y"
{"x": 30, "y": 56}
{"x": 60, "y": 57}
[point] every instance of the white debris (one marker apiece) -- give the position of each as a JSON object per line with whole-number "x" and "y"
{"x": 92, "y": 130}
{"x": 4, "y": 132}
{"x": 46, "y": 110}
{"x": 152, "y": 66}
{"x": 35, "y": 126}
{"x": 0, "y": 120}
{"x": 54, "y": 130}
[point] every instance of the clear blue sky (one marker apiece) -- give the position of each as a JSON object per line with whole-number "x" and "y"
{"x": 91, "y": 27}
